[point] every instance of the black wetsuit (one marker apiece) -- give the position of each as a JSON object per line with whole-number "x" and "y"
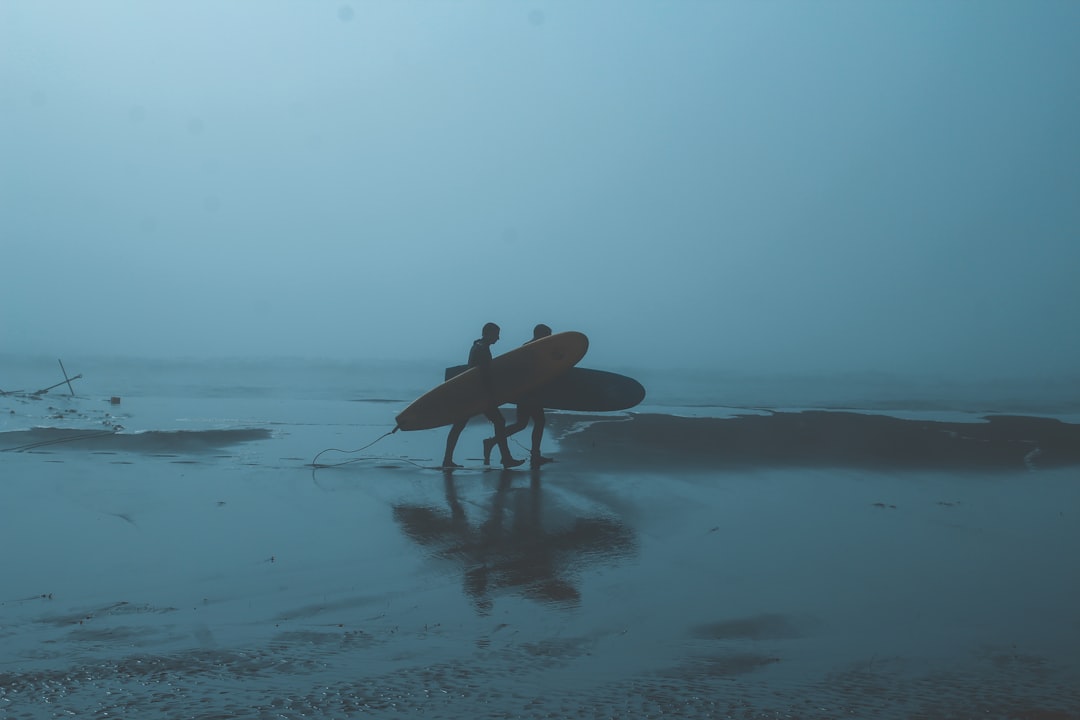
{"x": 480, "y": 354}
{"x": 480, "y": 357}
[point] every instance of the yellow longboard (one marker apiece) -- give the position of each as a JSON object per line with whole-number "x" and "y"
{"x": 512, "y": 374}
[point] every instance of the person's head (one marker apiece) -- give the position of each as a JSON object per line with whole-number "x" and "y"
{"x": 490, "y": 332}
{"x": 541, "y": 331}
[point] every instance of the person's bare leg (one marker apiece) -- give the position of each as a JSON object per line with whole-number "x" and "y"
{"x": 497, "y": 420}
{"x": 519, "y": 425}
{"x": 451, "y": 443}
{"x": 537, "y": 436}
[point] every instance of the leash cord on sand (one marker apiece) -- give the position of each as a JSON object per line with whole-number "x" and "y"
{"x": 315, "y": 461}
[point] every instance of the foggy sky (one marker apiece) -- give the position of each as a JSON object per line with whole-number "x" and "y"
{"x": 776, "y": 186}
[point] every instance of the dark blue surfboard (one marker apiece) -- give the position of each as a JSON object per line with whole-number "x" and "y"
{"x": 580, "y": 390}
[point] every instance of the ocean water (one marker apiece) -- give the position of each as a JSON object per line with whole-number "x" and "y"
{"x": 158, "y": 387}
{"x": 735, "y": 546}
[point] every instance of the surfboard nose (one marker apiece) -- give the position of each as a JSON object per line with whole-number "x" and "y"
{"x": 574, "y": 349}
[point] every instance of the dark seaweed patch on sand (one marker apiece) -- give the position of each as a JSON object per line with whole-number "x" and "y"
{"x": 758, "y": 627}
{"x": 120, "y": 609}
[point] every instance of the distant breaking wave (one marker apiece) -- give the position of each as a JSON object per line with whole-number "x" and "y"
{"x": 820, "y": 438}
{"x": 150, "y": 441}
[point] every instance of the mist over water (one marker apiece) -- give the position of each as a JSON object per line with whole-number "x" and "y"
{"x": 763, "y": 189}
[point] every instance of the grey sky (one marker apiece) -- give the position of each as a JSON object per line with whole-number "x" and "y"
{"x": 775, "y": 186}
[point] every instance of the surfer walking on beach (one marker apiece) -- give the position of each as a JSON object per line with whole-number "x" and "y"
{"x": 480, "y": 357}
{"x": 526, "y": 411}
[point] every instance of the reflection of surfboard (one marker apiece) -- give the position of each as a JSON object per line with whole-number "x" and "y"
{"x": 580, "y": 389}
{"x": 512, "y": 374}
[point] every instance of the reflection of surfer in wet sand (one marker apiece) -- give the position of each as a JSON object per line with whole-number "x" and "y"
{"x": 526, "y": 412}
{"x": 513, "y": 548}
{"x": 521, "y": 557}
{"x": 480, "y": 357}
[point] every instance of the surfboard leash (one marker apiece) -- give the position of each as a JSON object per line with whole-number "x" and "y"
{"x": 315, "y": 460}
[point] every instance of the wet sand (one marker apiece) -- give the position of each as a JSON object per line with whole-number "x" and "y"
{"x": 774, "y": 565}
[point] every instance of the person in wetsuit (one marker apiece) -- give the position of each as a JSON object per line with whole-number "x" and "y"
{"x": 480, "y": 357}
{"x": 526, "y": 411}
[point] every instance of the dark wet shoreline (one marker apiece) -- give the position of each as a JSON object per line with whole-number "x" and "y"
{"x": 821, "y": 438}
{"x": 150, "y": 441}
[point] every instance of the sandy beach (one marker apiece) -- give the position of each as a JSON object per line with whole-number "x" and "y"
{"x": 177, "y": 556}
